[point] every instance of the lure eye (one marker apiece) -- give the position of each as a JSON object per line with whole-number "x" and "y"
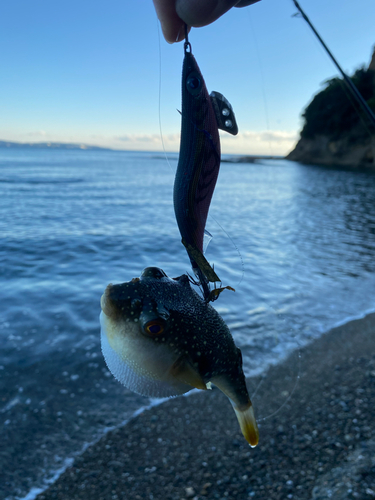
{"x": 194, "y": 83}
{"x": 154, "y": 327}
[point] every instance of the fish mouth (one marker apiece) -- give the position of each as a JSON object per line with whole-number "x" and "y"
{"x": 126, "y": 299}
{"x": 107, "y": 305}
{"x": 122, "y": 300}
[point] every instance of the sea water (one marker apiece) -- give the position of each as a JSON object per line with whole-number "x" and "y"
{"x": 296, "y": 242}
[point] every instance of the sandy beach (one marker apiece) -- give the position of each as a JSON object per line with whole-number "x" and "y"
{"x": 320, "y": 444}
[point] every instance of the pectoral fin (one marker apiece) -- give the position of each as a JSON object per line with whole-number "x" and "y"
{"x": 183, "y": 371}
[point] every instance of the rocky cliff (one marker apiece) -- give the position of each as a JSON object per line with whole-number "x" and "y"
{"x": 335, "y": 131}
{"x": 348, "y": 151}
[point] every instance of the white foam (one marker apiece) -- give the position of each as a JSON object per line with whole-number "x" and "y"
{"x": 35, "y": 491}
{"x": 352, "y": 318}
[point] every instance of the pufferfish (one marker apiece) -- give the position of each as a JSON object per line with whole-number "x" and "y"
{"x": 160, "y": 338}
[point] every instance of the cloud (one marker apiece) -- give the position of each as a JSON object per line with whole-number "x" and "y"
{"x": 154, "y": 141}
{"x": 269, "y": 142}
{"x": 245, "y": 142}
{"x": 266, "y": 135}
{"x": 151, "y": 138}
{"x": 276, "y": 136}
{"x": 123, "y": 138}
{"x": 39, "y": 133}
{"x": 172, "y": 137}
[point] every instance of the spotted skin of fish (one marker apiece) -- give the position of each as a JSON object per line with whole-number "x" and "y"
{"x": 160, "y": 338}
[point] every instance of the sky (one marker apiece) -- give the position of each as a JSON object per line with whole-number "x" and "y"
{"x": 100, "y": 73}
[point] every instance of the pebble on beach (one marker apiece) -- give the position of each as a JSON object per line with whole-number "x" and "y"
{"x": 319, "y": 445}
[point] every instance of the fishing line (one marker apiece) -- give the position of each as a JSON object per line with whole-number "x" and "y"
{"x": 235, "y": 246}
{"x": 342, "y": 84}
{"x": 159, "y": 106}
{"x": 269, "y": 144}
{"x": 254, "y": 393}
{"x": 265, "y": 104}
{"x": 261, "y": 77}
{"x": 356, "y": 108}
{"x": 262, "y": 419}
{"x": 345, "y": 84}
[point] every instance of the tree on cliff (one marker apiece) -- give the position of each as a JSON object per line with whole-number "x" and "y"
{"x": 332, "y": 111}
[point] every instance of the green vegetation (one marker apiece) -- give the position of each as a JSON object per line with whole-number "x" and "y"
{"x": 334, "y": 111}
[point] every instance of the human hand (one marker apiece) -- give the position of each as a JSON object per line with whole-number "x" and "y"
{"x": 173, "y": 14}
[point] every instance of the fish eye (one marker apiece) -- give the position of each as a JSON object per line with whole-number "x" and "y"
{"x": 194, "y": 83}
{"x": 154, "y": 327}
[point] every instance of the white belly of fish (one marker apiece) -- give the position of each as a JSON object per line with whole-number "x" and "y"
{"x": 137, "y": 362}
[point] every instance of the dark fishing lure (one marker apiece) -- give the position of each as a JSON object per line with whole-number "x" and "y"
{"x": 199, "y": 162}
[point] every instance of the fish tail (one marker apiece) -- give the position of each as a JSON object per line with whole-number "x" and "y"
{"x": 248, "y": 424}
{"x": 242, "y": 406}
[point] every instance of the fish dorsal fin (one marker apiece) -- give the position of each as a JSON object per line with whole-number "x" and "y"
{"x": 184, "y": 372}
{"x": 224, "y": 113}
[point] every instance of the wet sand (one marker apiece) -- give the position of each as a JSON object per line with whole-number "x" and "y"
{"x": 320, "y": 444}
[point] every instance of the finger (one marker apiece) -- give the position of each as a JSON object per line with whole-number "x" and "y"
{"x": 199, "y": 13}
{"x": 172, "y": 25}
{"x": 245, "y": 3}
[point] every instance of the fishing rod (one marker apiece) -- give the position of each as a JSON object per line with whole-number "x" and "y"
{"x": 357, "y": 95}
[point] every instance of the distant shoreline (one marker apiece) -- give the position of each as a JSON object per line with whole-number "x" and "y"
{"x": 87, "y": 147}
{"x": 50, "y": 145}
{"x": 161, "y": 155}
{"x": 250, "y": 158}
